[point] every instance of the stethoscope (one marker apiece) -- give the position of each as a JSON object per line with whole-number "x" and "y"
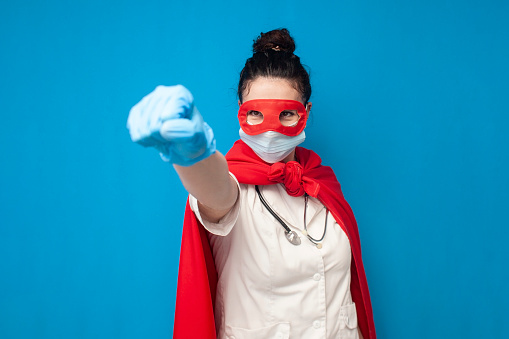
{"x": 291, "y": 235}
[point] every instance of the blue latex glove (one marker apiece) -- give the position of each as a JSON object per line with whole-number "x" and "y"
{"x": 167, "y": 120}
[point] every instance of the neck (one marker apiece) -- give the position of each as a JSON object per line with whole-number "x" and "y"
{"x": 290, "y": 157}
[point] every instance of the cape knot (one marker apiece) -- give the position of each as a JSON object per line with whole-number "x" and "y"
{"x": 291, "y": 174}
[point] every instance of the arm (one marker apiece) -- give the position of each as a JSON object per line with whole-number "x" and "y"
{"x": 210, "y": 183}
{"x": 167, "y": 120}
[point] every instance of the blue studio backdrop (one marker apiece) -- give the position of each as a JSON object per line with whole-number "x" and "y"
{"x": 410, "y": 108}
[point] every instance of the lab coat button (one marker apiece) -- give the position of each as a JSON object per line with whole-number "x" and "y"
{"x": 316, "y": 324}
{"x": 317, "y": 276}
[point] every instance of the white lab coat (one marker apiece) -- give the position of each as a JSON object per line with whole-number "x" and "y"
{"x": 270, "y": 288}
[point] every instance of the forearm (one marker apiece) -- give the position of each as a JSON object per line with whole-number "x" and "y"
{"x": 210, "y": 183}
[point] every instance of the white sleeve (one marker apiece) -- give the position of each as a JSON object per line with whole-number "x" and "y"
{"x": 226, "y": 223}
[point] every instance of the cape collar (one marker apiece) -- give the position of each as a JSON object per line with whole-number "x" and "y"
{"x": 297, "y": 176}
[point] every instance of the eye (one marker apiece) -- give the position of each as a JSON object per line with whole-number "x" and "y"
{"x": 288, "y": 118}
{"x": 254, "y": 117}
{"x": 288, "y": 114}
{"x": 255, "y": 113}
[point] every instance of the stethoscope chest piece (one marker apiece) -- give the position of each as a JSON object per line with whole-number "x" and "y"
{"x": 292, "y": 237}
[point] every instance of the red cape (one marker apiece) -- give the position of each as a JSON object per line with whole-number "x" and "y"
{"x": 197, "y": 279}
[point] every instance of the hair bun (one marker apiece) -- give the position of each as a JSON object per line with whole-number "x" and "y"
{"x": 275, "y": 40}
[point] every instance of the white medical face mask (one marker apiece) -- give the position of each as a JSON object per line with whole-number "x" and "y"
{"x": 272, "y": 146}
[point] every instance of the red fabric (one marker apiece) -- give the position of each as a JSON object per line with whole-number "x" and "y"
{"x": 196, "y": 285}
{"x": 194, "y": 314}
{"x": 271, "y": 109}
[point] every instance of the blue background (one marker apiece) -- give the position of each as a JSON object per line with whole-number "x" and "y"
{"x": 410, "y": 108}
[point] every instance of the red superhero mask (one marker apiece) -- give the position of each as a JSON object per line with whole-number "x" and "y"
{"x": 287, "y": 117}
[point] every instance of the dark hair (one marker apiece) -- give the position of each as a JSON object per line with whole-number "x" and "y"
{"x": 273, "y": 58}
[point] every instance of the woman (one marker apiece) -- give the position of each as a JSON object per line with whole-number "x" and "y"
{"x": 270, "y": 247}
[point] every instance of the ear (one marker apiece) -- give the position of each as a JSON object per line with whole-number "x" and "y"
{"x": 308, "y": 107}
